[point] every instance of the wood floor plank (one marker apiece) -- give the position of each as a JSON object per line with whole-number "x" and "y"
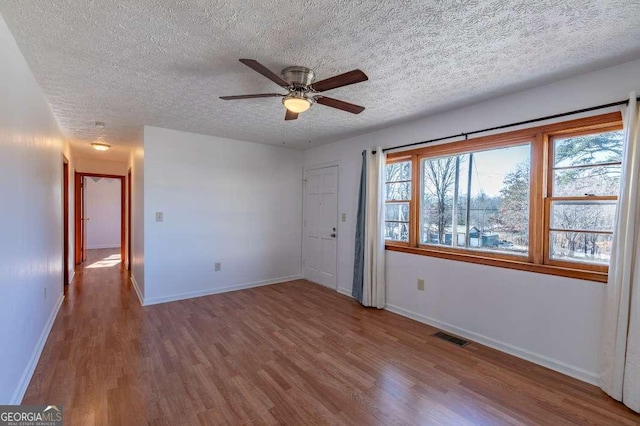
{"x": 292, "y": 353}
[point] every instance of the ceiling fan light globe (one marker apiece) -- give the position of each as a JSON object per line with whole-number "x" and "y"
{"x": 296, "y": 104}
{"x": 100, "y": 146}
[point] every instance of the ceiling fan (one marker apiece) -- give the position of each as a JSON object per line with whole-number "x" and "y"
{"x": 302, "y": 88}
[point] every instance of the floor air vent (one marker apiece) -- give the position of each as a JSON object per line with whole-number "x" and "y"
{"x": 453, "y": 339}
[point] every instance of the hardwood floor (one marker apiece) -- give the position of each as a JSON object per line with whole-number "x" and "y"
{"x": 292, "y": 353}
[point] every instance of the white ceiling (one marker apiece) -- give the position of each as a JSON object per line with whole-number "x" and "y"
{"x": 164, "y": 63}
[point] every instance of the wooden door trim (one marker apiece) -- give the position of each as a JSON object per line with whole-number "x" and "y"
{"x": 78, "y": 205}
{"x": 65, "y": 219}
{"x": 129, "y": 257}
{"x": 77, "y": 219}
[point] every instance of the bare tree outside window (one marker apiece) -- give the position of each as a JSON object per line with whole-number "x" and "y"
{"x": 439, "y": 176}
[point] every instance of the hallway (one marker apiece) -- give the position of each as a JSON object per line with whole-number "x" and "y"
{"x": 91, "y": 344}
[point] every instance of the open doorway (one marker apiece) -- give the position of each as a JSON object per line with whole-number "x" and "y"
{"x": 100, "y": 217}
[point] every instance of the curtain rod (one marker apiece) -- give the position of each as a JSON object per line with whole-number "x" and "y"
{"x": 504, "y": 126}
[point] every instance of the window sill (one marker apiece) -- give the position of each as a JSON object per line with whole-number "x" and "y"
{"x": 503, "y": 263}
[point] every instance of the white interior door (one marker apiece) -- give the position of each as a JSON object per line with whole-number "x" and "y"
{"x": 320, "y": 226}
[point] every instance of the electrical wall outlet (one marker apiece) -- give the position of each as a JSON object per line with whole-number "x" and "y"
{"x": 159, "y": 216}
{"x": 218, "y": 267}
{"x": 420, "y": 284}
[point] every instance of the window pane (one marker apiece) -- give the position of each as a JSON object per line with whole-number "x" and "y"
{"x": 397, "y": 211}
{"x": 397, "y": 231}
{"x": 439, "y": 176}
{"x": 581, "y": 247}
{"x": 399, "y": 191}
{"x": 588, "y": 149}
{"x": 496, "y": 199}
{"x": 597, "y": 180}
{"x": 500, "y": 188}
{"x": 397, "y": 188}
{"x": 398, "y": 171}
{"x": 583, "y": 215}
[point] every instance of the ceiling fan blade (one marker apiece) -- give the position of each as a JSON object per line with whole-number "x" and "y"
{"x": 351, "y": 77}
{"x": 263, "y": 95}
{"x": 258, "y": 67}
{"x": 344, "y": 106}
{"x": 290, "y": 115}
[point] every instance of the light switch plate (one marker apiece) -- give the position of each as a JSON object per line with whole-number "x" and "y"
{"x": 344, "y": 217}
{"x": 218, "y": 267}
{"x": 420, "y": 284}
{"x": 159, "y": 217}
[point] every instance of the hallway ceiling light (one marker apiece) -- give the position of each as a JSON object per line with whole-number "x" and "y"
{"x": 99, "y": 146}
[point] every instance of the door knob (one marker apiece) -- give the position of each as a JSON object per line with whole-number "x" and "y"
{"x": 333, "y": 235}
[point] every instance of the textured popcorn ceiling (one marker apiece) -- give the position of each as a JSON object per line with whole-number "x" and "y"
{"x": 164, "y": 63}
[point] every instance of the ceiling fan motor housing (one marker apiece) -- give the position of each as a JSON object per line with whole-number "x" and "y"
{"x": 298, "y": 76}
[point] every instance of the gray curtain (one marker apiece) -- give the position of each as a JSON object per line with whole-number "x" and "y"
{"x": 358, "y": 264}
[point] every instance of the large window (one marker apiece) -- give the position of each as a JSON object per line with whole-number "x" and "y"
{"x": 541, "y": 199}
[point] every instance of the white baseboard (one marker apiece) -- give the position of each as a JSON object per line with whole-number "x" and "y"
{"x": 345, "y": 292}
{"x": 35, "y": 356}
{"x": 545, "y": 361}
{"x": 103, "y": 246}
{"x": 190, "y": 295}
{"x": 137, "y": 289}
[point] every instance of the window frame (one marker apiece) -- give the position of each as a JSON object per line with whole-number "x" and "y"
{"x": 410, "y": 202}
{"x": 541, "y": 142}
{"x": 550, "y": 198}
{"x": 482, "y": 146}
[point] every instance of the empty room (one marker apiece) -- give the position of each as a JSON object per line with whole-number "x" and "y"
{"x": 319, "y": 212}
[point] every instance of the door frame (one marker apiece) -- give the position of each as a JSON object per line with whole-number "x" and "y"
{"x": 306, "y": 169}
{"x": 65, "y": 220}
{"x": 78, "y": 219}
{"x": 129, "y": 257}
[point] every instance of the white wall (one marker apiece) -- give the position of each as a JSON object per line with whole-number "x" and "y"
{"x": 223, "y": 200}
{"x": 102, "y": 203}
{"x": 136, "y": 163}
{"x": 31, "y": 227}
{"x": 90, "y": 165}
{"x": 550, "y": 320}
